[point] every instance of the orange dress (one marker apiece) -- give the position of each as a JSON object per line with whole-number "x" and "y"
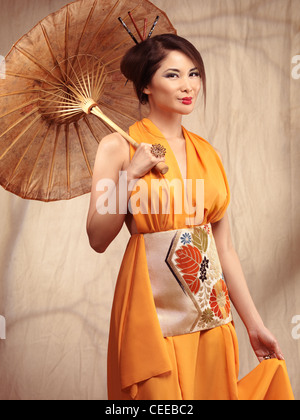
{"x": 202, "y": 365}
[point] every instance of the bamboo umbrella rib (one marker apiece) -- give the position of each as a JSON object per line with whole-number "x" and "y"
{"x": 84, "y": 91}
{"x": 58, "y": 127}
{"x": 60, "y": 89}
{"x": 118, "y": 95}
{"x": 84, "y": 79}
{"x": 99, "y": 85}
{"x": 84, "y": 86}
{"x": 61, "y": 112}
{"x": 55, "y": 109}
{"x": 85, "y": 26}
{"x": 113, "y": 71}
{"x": 91, "y": 73}
{"x": 90, "y": 128}
{"x": 103, "y": 24}
{"x": 65, "y": 102}
{"x": 20, "y": 92}
{"x": 113, "y": 49}
{"x": 116, "y": 110}
{"x": 35, "y": 79}
{"x": 99, "y": 66}
{"x": 64, "y": 98}
{"x": 18, "y": 122}
{"x": 65, "y": 118}
{"x": 64, "y": 114}
{"x": 87, "y": 76}
{"x": 19, "y": 136}
{"x": 112, "y": 82}
{"x": 11, "y": 111}
{"x": 67, "y": 132}
{"x": 99, "y": 81}
{"x": 36, "y": 160}
{"x": 23, "y": 156}
{"x": 92, "y": 76}
{"x": 56, "y": 63}
{"x": 61, "y": 105}
{"x": 83, "y": 149}
{"x": 108, "y": 63}
{"x": 75, "y": 90}
{"x": 67, "y": 22}
{"x": 64, "y": 105}
{"x": 69, "y": 79}
{"x": 31, "y": 58}
{"x": 35, "y": 61}
{"x": 77, "y": 94}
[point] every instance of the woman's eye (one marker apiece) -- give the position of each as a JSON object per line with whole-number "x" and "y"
{"x": 195, "y": 74}
{"x": 172, "y": 76}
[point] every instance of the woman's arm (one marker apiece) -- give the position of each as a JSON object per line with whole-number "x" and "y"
{"x": 263, "y": 342}
{"x": 103, "y": 228}
{"x": 113, "y": 157}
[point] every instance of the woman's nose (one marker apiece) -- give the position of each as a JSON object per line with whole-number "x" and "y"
{"x": 186, "y": 86}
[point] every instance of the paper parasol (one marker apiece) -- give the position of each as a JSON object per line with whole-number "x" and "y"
{"x": 64, "y": 68}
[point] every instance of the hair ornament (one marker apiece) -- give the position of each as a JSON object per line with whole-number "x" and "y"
{"x": 144, "y": 36}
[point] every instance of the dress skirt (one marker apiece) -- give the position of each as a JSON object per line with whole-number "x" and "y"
{"x": 211, "y": 372}
{"x": 204, "y": 365}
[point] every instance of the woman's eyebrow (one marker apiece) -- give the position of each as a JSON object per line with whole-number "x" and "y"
{"x": 178, "y": 71}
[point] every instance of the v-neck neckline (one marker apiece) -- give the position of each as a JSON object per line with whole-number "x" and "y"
{"x": 154, "y": 130}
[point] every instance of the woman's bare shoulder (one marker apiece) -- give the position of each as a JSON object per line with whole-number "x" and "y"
{"x": 114, "y": 144}
{"x": 113, "y": 153}
{"x": 114, "y": 141}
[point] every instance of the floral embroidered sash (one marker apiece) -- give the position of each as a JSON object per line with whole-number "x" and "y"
{"x": 187, "y": 282}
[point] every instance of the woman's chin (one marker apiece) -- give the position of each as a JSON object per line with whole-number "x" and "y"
{"x": 186, "y": 111}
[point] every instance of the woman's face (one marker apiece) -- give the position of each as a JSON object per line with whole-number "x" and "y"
{"x": 175, "y": 86}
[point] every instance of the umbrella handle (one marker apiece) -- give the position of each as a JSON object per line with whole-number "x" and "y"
{"x": 94, "y": 109}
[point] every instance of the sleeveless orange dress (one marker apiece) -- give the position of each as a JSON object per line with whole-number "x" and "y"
{"x": 203, "y": 365}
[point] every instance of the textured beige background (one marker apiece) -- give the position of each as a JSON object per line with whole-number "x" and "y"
{"x": 56, "y": 293}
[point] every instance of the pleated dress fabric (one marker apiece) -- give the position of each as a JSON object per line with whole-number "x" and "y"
{"x": 204, "y": 365}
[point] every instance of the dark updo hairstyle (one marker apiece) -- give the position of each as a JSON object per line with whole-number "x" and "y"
{"x": 143, "y": 60}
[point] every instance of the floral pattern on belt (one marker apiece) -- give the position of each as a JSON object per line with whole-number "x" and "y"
{"x": 194, "y": 261}
{"x": 219, "y": 300}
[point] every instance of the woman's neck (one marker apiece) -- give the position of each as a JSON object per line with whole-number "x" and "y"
{"x": 170, "y": 125}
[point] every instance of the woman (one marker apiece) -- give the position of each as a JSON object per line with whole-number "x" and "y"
{"x": 172, "y": 335}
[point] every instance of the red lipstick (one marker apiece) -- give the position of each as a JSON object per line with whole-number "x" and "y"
{"x": 187, "y": 101}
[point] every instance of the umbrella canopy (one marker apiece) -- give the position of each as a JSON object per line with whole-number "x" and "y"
{"x": 55, "y": 75}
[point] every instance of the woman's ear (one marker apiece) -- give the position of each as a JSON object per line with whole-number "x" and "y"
{"x": 147, "y": 91}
